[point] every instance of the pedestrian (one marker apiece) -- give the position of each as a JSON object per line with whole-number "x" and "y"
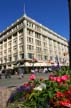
{"x": 17, "y": 74}
{"x": 36, "y": 70}
{"x": 21, "y": 73}
{"x": 45, "y": 70}
{"x": 32, "y": 71}
{"x": 7, "y": 73}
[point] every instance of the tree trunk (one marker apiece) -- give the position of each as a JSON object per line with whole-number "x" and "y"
{"x": 69, "y": 6}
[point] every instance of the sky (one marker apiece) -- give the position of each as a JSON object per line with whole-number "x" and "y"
{"x": 51, "y": 13}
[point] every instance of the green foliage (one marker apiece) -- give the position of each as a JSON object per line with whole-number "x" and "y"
{"x": 44, "y": 91}
{"x": 62, "y": 71}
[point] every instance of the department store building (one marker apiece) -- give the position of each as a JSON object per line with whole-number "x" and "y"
{"x": 27, "y": 43}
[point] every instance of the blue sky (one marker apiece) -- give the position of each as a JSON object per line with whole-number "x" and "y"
{"x": 51, "y": 13}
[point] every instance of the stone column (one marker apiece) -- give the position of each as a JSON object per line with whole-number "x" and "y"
{"x": 18, "y": 45}
{"x": 25, "y": 39}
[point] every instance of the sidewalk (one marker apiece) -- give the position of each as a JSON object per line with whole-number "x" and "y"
{"x": 15, "y": 81}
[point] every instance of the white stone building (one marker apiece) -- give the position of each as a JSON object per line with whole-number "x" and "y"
{"x": 27, "y": 40}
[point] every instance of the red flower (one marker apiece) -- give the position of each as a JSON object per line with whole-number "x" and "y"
{"x": 70, "y": 87}
{"x": 65, "y": 103}
{"x": 26, "y": 84}
{"x": 32, "y": 77}
{"x": 69, "y": 92}
{"x": 65, "y": 93}
{"x": 59, "y": 94}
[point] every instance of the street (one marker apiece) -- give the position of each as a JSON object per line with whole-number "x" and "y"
{"x": 15, "y": 81}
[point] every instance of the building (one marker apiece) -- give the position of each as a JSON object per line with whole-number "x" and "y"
{"x": 28, "y": 43}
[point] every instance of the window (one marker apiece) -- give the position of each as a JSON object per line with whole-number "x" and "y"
{"x": 39, "y": 56}
{"x": 21, "y": 48}
{"x": 30, "y": 55}
{"x": 20, "y": 32}
{"x": 14, "y": 41}
{"x": 15, "y": 28}
{"x": 44, "y": 44}
{"x": 50, "y": 41}
{"x": 5, "y": 52}
{"x": 51, "y": 58}
{"x": 30, "y": 32}
{"x": 29, "y": 24}
{"x": 9, "y": 38}
{"x": 38, "y": 49}
{"x": 50, "y": 51}
{"x": 5, "y": 40}
{"x": 5, "y": 45}
{"x": 45, "y": 51}
{"x": 1, "y": 60}
{"x": 37, "y": 35}
{"x": 15, "y": 34}
{"x": 30, "y": 47}
{"x": 44, "y": 38}
{"x": 15, "y": 57}
{"x": 56, "y": 58}
{"x": 15, "y": 49}
{"x": 21, "y": 24}
{"x": 30, "y": 40}
{"x": 5, "y": 59}
{"x": 9, "y": 50}
{"x": 45, "y": 57}
{"x": 37, "y": 28}
{"x": 21, "y": 56}
{"x": 21, "y": 40}
{"x": 38, "y": 42}
{"x": 9, "y": 58}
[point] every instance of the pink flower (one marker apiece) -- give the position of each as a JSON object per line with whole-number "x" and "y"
{"x": 51, "y": 77}
{"x": 65, "y": 77}
{"x": 32, "y": 77}
{"x": 58, "y": 79}
{"x": 54, "y": 78}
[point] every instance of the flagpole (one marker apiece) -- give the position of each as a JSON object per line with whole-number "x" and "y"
{"x": 24, "y": 10}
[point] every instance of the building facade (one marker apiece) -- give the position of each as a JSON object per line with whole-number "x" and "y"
{"x": 30, "y": 43}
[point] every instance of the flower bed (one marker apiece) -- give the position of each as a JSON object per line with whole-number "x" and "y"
{"x": 40, "y": 93}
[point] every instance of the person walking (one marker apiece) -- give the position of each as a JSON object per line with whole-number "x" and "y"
{"x": 21, "y": 73}
{"x": 7, "y": 73}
